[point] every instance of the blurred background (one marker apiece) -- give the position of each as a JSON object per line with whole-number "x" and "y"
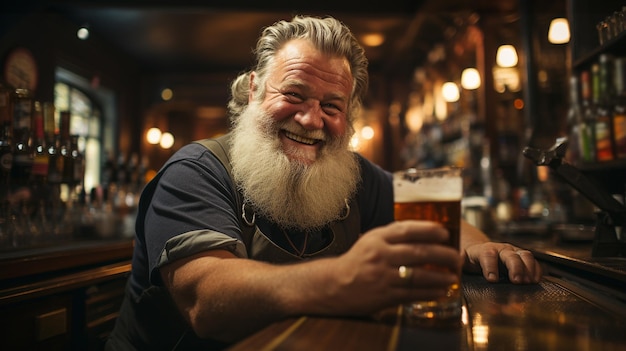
{"x": 96, "y": 95}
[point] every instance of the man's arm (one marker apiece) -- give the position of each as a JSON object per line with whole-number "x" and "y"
{"x": 226, "y": 298}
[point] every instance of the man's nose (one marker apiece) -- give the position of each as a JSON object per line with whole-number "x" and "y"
{"x": 311, "y": 115}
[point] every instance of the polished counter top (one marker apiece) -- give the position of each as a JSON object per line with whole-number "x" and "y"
{"x": 579, "y": 305}
{"x": 602, "y": 279}
{"x": 21, "y": 264}
{"x": 502, "y": 316}
{"x": 35, "y": 272}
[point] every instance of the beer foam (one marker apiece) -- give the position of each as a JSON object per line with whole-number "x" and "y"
{"x": 424, "y": 189}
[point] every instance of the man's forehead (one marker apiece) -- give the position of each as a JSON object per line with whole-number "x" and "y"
{"x": 299, "y": 61}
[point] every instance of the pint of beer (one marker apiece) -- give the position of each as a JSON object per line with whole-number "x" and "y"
{"x": 434, "y": 195}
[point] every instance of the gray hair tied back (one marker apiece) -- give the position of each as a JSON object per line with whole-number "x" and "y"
{"x": 327, "y": 34}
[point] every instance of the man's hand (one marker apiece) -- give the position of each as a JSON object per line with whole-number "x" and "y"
{"x": 490, "y": 257}
{"x": 367, "y": 278}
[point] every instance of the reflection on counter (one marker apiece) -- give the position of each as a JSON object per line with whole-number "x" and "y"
{"x": 539, "y": 317}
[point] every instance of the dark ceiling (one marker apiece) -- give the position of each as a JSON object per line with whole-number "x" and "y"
{"x": 192, "y": 35}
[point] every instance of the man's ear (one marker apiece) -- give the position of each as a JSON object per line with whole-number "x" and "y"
{"x": 252, "y": 87}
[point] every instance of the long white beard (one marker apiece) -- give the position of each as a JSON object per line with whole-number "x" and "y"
{"x": 289, "y": 193}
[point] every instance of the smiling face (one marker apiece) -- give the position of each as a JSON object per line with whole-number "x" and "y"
{"x": 289, "y": 148}
{"x": 307, "y": 94}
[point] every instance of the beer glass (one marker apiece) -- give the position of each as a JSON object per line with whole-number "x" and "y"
{"x": 434, "y": 195}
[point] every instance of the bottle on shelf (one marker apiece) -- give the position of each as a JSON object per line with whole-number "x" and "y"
{"x": 6, "y": 158}
{"x": 6, "y": 141}
{"x": 574, "y": 122}
{"x": 22, "y": 138}
{"x": 619, "y": 114}
{"x": 53, "y": 141}
{"x": 6, "y": 162}
{"x": 78, "y": 161}
{"x": 6, "y": 105}
{"x": 39, "y": 199}
{"x": 67, "y": 193}
{"x": 587, "y": 143}
{"x": 41, "y": 160}
{"x": 65, "y": 149}
{"x": 48, "y": 120}
{"x": 603, "y": 94}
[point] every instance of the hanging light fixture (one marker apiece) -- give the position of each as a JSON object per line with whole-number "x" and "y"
{"x": 167, "y": 94}
{"x": 470, "y": 79}
{"x": 450, "y": 91}
{"x": 153, "y": 135}
{"x": 559, "y": 31}
{"x": 83, "y": 32}
{"x": 167, "y": 140}
{"x": 367, "y": 133}
{"x": 506, "y": 56}
{"x": 373, "y": 39}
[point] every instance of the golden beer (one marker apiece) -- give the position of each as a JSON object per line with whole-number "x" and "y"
{"x": 433, "y": 195}
{"x": 446, "y": 212}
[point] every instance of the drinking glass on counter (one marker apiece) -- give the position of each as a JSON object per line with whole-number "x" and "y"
{"x": 435, "y": 195}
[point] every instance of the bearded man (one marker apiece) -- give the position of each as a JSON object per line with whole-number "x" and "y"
{"x": 279, "y": 218}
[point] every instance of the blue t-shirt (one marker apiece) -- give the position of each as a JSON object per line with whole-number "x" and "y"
{"x": 191, "y": 207}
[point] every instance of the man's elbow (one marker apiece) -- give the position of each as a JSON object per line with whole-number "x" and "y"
{"x": 208, "y": 327}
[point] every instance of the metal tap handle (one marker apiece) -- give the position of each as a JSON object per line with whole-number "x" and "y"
{"x": 553, "y": 158}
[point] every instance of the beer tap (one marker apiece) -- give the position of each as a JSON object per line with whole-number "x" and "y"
{"x": 612, "y": 215}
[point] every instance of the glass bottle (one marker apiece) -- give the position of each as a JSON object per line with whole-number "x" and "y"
{"x": 49, "y": 126}
{"x": 6, "y": 139}
{"x": 41, "y": 160}
{"x": 22, "y": 112}
{"x": 6, "y": 106}
{"x": 22, "y": 122}
{"x": 55, "y": 166}
{"x": 587, "y": 143}
{"x": 53, "y": 140}
{"x": 77, "y": 161}
{"x": 6, "y": 162}
{"x": 6, "y": 159}
{"x": 619, "y": 114}
{"x": 574, "y": 121}
{"x": 65, "y": 149}
{"x": 604, "y": 123}
{"x": 39, "y": 175}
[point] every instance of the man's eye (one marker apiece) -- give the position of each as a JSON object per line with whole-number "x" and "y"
{"x": 295, "y": 97}
{"x": 331, "y": 108}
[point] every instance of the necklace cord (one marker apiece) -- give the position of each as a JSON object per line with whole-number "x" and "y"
{"x": 299, "y": 252}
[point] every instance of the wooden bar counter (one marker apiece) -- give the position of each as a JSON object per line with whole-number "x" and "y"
{"x": 547, "y": 316}
{"x": 579, "y": 305}
{"x": 62, "y": 297}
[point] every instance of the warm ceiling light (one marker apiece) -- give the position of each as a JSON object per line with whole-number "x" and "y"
{"x": 373, "y": 39}
{"x": 450, "y": 91}
{"x": 470, "y": 79}
{"x": 167, "y": 140}
{"x": 83, "y": 33}
{"x": 367, "y": 132}
{"x": 506, "y": 56}
{"x": 153, "y": 136}
{"x": 167, "y": 94}
{"x": 559, "y": 31}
